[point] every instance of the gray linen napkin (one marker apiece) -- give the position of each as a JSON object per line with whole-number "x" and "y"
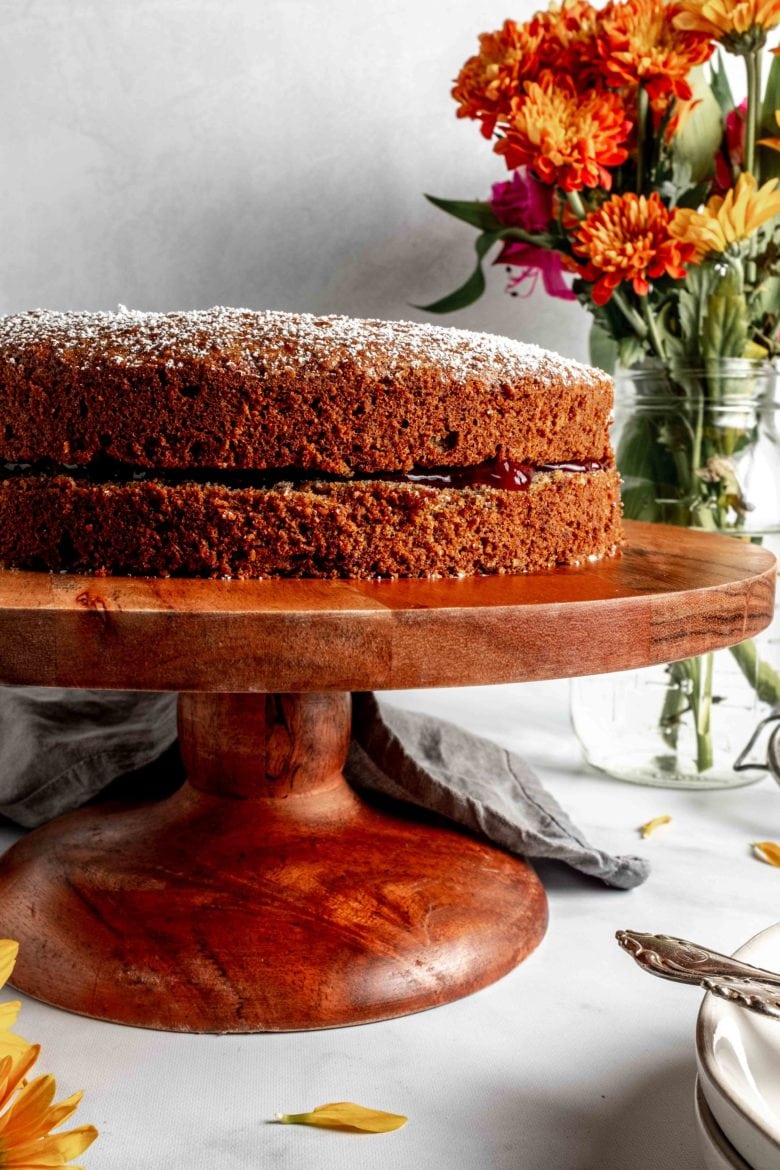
{"x": 60, "y": 748}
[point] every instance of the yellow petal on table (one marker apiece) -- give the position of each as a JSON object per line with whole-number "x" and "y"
{"x": 346, "y": 1115}
{"x": 651, "y": 826}
{"x": 768, "y": 851}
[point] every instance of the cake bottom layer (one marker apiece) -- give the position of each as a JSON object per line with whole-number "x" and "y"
{"x": 365, "y": 528}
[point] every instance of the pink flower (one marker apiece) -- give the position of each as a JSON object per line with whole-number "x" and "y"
{"x": 735, "y": 132}
{"x": 525, "y": 203}
{"x": 731, "y": 157}
{"x": 522, "y": 202}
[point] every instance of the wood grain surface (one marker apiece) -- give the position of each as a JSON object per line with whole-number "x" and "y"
{"x": 264, "y": 895}
{"x": 672, "y": 593}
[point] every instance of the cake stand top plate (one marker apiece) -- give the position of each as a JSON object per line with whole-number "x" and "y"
{"x": 671, "y": 594}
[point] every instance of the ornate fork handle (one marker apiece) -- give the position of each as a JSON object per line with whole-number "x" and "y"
{"x": 756, "y": 997}
{"x": 687, "y": 962}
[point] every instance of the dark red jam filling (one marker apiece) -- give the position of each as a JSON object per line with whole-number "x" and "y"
{"x": 504, "y": 474}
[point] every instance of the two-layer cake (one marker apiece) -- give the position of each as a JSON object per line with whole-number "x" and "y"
{"x": 247, "y": 444}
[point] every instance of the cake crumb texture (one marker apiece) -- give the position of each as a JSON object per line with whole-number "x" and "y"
{"x": 234, "y": 388}
{"x": 364, "y": 529}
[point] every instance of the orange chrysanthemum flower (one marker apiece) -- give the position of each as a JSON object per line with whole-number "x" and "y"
{"x": 567, "y": 138}
{"x": 740, "y": 25}
{"x": 639, "y": 44}
{"x": 728, "y": 219}
{"x": 569, "y": 41}
{"x": 629, "y": 238}
{"x": 488, "y": 82}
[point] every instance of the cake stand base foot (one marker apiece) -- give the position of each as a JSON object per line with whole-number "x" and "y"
{"x": 264, "y": 895}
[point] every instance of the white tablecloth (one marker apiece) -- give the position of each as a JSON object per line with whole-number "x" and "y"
{"x": 577, "y": 1060}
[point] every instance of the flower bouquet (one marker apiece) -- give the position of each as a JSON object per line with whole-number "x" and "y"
{"x": 640, "y": 187}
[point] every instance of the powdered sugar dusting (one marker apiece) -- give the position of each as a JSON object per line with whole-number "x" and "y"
{"x": 283, "y": 341}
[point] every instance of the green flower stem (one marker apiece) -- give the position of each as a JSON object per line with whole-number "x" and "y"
{"x": 630, "y": 314}
{"x": 753, "y": 70}
{"x": 758, "y": 672}
{"x": 703, "y": 710}
{"x": 675, "y": 705}
{"x": 652, "y": 330}
{"x": 539, "y": 241}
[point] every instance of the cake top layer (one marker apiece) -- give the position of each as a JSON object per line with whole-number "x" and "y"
{"x": 232, "y": 388}
{"x": 243, "y": 338}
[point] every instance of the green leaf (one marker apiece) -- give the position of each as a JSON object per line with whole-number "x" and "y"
{"x": 474, "y": 287}
{"x": 768, "y": 159}
{"x": 771, "y": 102}
{"x": 767, "y": 298}
{"x": 725, "y": 330}
{"x": 699, "y": 139}
{"x": 692, "y": 308}
{"x": 637, "y": 457}
{"x": 603, "y": 349}
{"x": 630, "y": 350}
{"x": 720, "y": 86}
{"x": 479, "y": 215}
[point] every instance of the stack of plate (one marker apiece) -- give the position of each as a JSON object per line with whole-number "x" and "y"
{"x": 738, "y": 1088}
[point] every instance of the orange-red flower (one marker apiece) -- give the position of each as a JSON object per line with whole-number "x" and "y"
{"x": 569, "y": 41}
{"x": 639, "y": 43}
{"x": 488, "y": 82}
{"x": 565, "y": 137}
{"x": 629, "y": 238}
{"x": 738, "y": 24}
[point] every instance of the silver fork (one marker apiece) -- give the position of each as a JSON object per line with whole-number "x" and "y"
{"x": 688, "y": 962}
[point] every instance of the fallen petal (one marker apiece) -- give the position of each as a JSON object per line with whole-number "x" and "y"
{"x": 346, "y": 1115}
{"x": 768, "y": 851}
{"x": 650, "y": 827}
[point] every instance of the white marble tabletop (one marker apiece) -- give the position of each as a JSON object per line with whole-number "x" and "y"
{"x": 576, "y": 1060}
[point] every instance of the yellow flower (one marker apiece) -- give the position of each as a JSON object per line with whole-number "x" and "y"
{"x": 29, "y": 1115}
{"x": 10, "y": 1009}
{"x": 27, "y": 1110}
{"x": 727, "y": 220}
{"x": 740, "y": 25}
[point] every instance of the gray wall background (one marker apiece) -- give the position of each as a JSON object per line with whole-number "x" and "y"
{"x": 269, "y": 153}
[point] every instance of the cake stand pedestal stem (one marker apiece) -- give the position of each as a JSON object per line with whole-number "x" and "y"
{"x": 265, "y": 894}
{"x": 271, "y": 746}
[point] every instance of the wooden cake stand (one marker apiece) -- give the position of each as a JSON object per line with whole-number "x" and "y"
{"x": 265, "y": 894}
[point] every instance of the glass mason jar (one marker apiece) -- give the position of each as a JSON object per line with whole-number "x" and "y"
{"x": 698, "y": 448}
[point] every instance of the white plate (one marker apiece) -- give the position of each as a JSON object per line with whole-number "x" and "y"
{"x": 718, "y": 1152}
{"x": 738, "y": 1054}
